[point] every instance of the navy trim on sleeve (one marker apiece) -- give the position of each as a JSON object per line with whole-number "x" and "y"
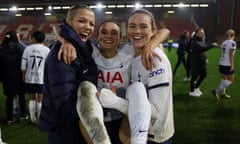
{"x": 158, "y": 85}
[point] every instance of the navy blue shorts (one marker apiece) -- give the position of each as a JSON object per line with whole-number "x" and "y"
{"x": 33, "y": 88}
{"x": 225, "y": 70}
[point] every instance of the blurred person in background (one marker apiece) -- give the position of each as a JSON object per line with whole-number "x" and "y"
{"x": 10, "y": 58}
{"x": 226, "y": 64}
{"x": 189, "y": 54}
{"x": 183, "y": 43}
{"x": 199, "y": 61}
{"x": 170, "y": 44}
{"x": 32, "y": 66}
{"x": 20, "y": 39}
{"x": 16, "y": 98}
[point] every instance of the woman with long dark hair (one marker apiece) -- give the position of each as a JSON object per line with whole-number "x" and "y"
{"x": 10, "y": 59}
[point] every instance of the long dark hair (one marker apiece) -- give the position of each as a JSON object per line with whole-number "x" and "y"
{"x": 10, "y": 36}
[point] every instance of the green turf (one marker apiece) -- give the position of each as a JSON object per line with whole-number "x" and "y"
{"x": 203, "y": 120}
{"x": 198, "y": 120}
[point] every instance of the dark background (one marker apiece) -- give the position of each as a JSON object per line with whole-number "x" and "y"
{"x": 216, "y": 19}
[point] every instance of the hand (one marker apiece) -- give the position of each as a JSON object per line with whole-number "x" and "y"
{"x": 98, "y": 93}
{"x": 113, "y": 88}
{"x": 215, "y": 44}
{"x": 148, "y": 56}
{"x": 68, "y": 51}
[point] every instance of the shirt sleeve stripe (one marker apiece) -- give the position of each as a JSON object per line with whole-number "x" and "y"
{"x": 158, "y": 85}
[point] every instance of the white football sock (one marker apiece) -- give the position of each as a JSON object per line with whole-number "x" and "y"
{"x": 91, "y": 113}
{"x": 220, "y": 87}
{"x": 39, "y": 106}
{"x": 224, "y": 91}
{"x": 139, "y": 113}
{"x": 32, "y": 110}
{"x": 15, "y": 102}
{"x": 109, "y": 100}
{"x": 227, "y": 83}
{"x": 223, "y": 84}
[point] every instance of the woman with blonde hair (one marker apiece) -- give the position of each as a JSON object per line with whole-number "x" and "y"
{"x": 59, "y": 117}
{"x": 226, "y": 64}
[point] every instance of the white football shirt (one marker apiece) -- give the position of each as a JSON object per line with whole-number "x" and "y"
{"x": 158, "y": 83}
{"x": 114, "y": 70}
{"x": 226, "y": 46}
{"x": 33, "y": 62}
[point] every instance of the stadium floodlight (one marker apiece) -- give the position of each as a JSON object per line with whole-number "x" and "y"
{"x": 38, "y": 8}
{"x": 3, "y": 9}
{"x": 129, "y": 6}
{"x": 171, "y": 12}
{"x": 66, "y": 7}
{"x": 108, "y": 12}
{"x": 157, "y": 5}
{"x": 21, "y": 9}
{"x": 194, "y": 5}
{"x": 148, "y": 6}
{"x": 49, "y": 7}
{"x": 138, "y": 5}
{"x": 120, "y": 6}
{"x": 47, "y": 14}
{"x": 181, "y": 5}
{"x": 167, "y": 5}
{"x": 100, "y": 6}
{"x": 203, "y": 5}
{"x": 30, "y": 8}
{"x": 56, "y": 7}
{"x": 14, "y": 8}
{"x": 93, "y": 6}
{"x": 111, "y": 6}
{"x": 18, "y": 14}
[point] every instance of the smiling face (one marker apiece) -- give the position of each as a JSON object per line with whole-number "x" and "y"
{"x": 139, "y": 30}
{"x": 109, "y": 36}
{"x": 82, "y": 21}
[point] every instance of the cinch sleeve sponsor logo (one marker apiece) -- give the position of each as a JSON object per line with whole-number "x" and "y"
{"x": 156, "y": 72}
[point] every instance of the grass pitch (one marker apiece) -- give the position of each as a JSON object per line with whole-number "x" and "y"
{"x": 198, "y": 120}
{"x": 204, "y": 120}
